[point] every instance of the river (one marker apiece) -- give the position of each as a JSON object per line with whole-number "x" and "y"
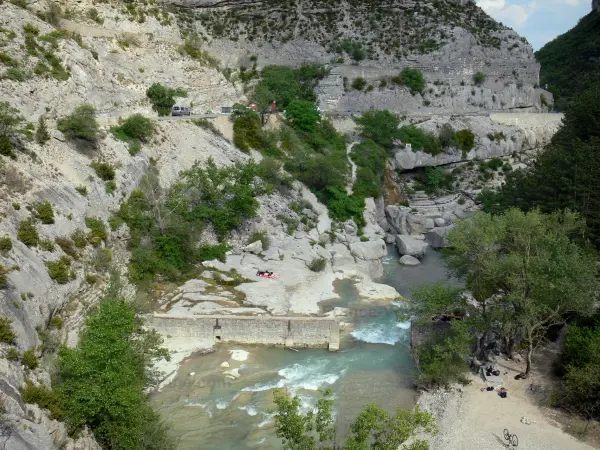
{"x": 210, "y": 411}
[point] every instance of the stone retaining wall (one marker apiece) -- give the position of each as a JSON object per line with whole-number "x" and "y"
{"x": 279, "y": 331}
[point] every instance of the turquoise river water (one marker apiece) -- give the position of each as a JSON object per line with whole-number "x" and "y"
{"x": 209, "y": 411}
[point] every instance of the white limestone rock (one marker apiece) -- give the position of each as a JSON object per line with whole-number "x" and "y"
{"x": 408, "y": 260}
{"x": 408, "y": 245}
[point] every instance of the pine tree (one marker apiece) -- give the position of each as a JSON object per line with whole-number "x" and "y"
{"x": 42, "y": 135}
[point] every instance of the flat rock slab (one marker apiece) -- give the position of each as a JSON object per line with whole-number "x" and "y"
{"x": 408, "y": 260}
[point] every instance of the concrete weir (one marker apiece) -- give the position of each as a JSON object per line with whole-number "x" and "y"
{"x": 267, "y": 330}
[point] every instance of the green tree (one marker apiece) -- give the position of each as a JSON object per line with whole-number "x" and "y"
{"x": 41, "y": 133}
{"x": 163, "y": 98}
{"x": 138, "y": 127}
{"x": 81, "y": 124}
{"x": 525, "y": 272}
{"x": 303, "y": 116}
{"x": 10, "y": 119}
{"x": 101, "y": 383}
{"x": 479, "y": 78}
{"x": 379, "y": 126}
{"x": 374, "y": 428}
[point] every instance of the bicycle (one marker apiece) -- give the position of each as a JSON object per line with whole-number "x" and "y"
{"x": 512, "y": 439}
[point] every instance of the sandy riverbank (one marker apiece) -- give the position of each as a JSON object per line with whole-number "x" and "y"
{"x": 469, "y": 419}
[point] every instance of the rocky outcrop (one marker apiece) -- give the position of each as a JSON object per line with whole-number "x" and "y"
{"x": 408, "y": 260}
{"x": 596, "y": 5}
{"x": 437, "y": 238}
{"x": 521, "y": 132}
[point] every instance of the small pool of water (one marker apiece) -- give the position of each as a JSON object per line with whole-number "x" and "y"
{"x": 210, "y": 411}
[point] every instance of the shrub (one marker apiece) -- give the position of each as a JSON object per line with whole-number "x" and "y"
{"x": 420, "y": 140}
{"x": 193, "y": 48}
{"x": 135, "y": 127}
{"x": 41, "y": 134}
{"x": 5, "y": 244}
{"x": 208, "y": 252}
{"x": 60, "y": 270}
{"x": 27, "y": 233}
{"x": 82, "y": 189}
{"x": 98, "y": 230}
{"x": 43, "y": 397}
{"x": 6, "y": 147}
{"x": 465, "y": 140}
{"x": 66, "y": 245}
{"x": 16, "y": 74}
{"x": 81, "y": 124}
{"x": 102, "y": 260}
{"x": 110, "y": 187}
{"x": 261, "y": 236}
{"x": 12, "y": 354}
{"x": 105, "y": 171}
{"x": 317, "y": 264}
{"x": 30, "y": 360}
{"x": 359, "y": 83}
{"x": 162, "y": 98}
{"x": 56, "y": 322}
{"x": 247, "y": 130}
{"x": 47, "y": 245}
{"x": 44, "y": 212}
{"x": 7, "y": 335}
{"x": 9, "y": 119}
{"x": 479, "y": 78}
{"x": 413, "y": 79}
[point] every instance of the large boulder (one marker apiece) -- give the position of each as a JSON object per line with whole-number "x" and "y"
{"x": 408, "y": 260}
{"x": 396, "y": 217}
{"x": 418, "y": 223}
{"x": 437, "y": 237}
{"x": 369, "y": 250}
{"x": 409, "y": 245}
{"x": 341, "y": 256}
{"x": 255, "y": 247}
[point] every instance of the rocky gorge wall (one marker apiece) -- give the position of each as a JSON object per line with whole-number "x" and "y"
{"x": 278, "y": 331}
{"x": 448, "y": 41}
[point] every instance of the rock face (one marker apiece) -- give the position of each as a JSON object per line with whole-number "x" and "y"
{"x": 410, "y": 245}
{"x": 369, "y": 251}
{"x": 596, "y": 5}
{"x": 522, "y": 132}
{"x": 461, "y": 40}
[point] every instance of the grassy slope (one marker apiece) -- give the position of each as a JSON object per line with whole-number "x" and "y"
{"x": 566, "y": 65}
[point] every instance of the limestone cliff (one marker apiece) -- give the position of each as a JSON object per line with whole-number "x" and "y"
{"x": 448, "y": 40}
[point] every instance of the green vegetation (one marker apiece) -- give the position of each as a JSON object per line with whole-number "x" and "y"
{"x": 101, "y": 383}
{"x": 566, "y": 62}
{"x": 29, "y": 359}
{"x": 284, "y": 84}
{"x": 43, "y": 397}
{"x": 370, "y": 159}
{"x": 165, "y": 224}
{"x": 379, "y": 126}
{"x": 247, "y": 130}
{"x": 303, "y": 116}
{"x": 82, "y": 189}
{"x": 354, "y": 49}
{"x": 60, "y": 270}
{"x": 580, "y": 372}
{"x": 66, "y": 246}
{"x": 465, "y": 141}
{"x": 41, "y": 133}
{"x": 413, "y": 79}
{"x": 7, "y": 335}
{"x": 81, "y": 125}
{"x": 27, "y": 233}
{"x": 98, "y": 232}
{"x": 10, "y": 119}
{"x": 6, "y": 244}
{"x": 479, "y": 78}
{"x": 317, "y": 264}
{"x": 374, "y": 428}
{"x": 434, "y": 179}
{"x": 105, "y": 171}
{"x": 136, "y": 129}
{"x": 47, "y": 245}
{"x": 359, "y": 84}
{"x": 163, "y": 98}
{"x": 420, "y": 140}
{"x": 44, "y": 212}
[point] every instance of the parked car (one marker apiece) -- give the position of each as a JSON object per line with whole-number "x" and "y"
{"x": 180, "y": 111}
